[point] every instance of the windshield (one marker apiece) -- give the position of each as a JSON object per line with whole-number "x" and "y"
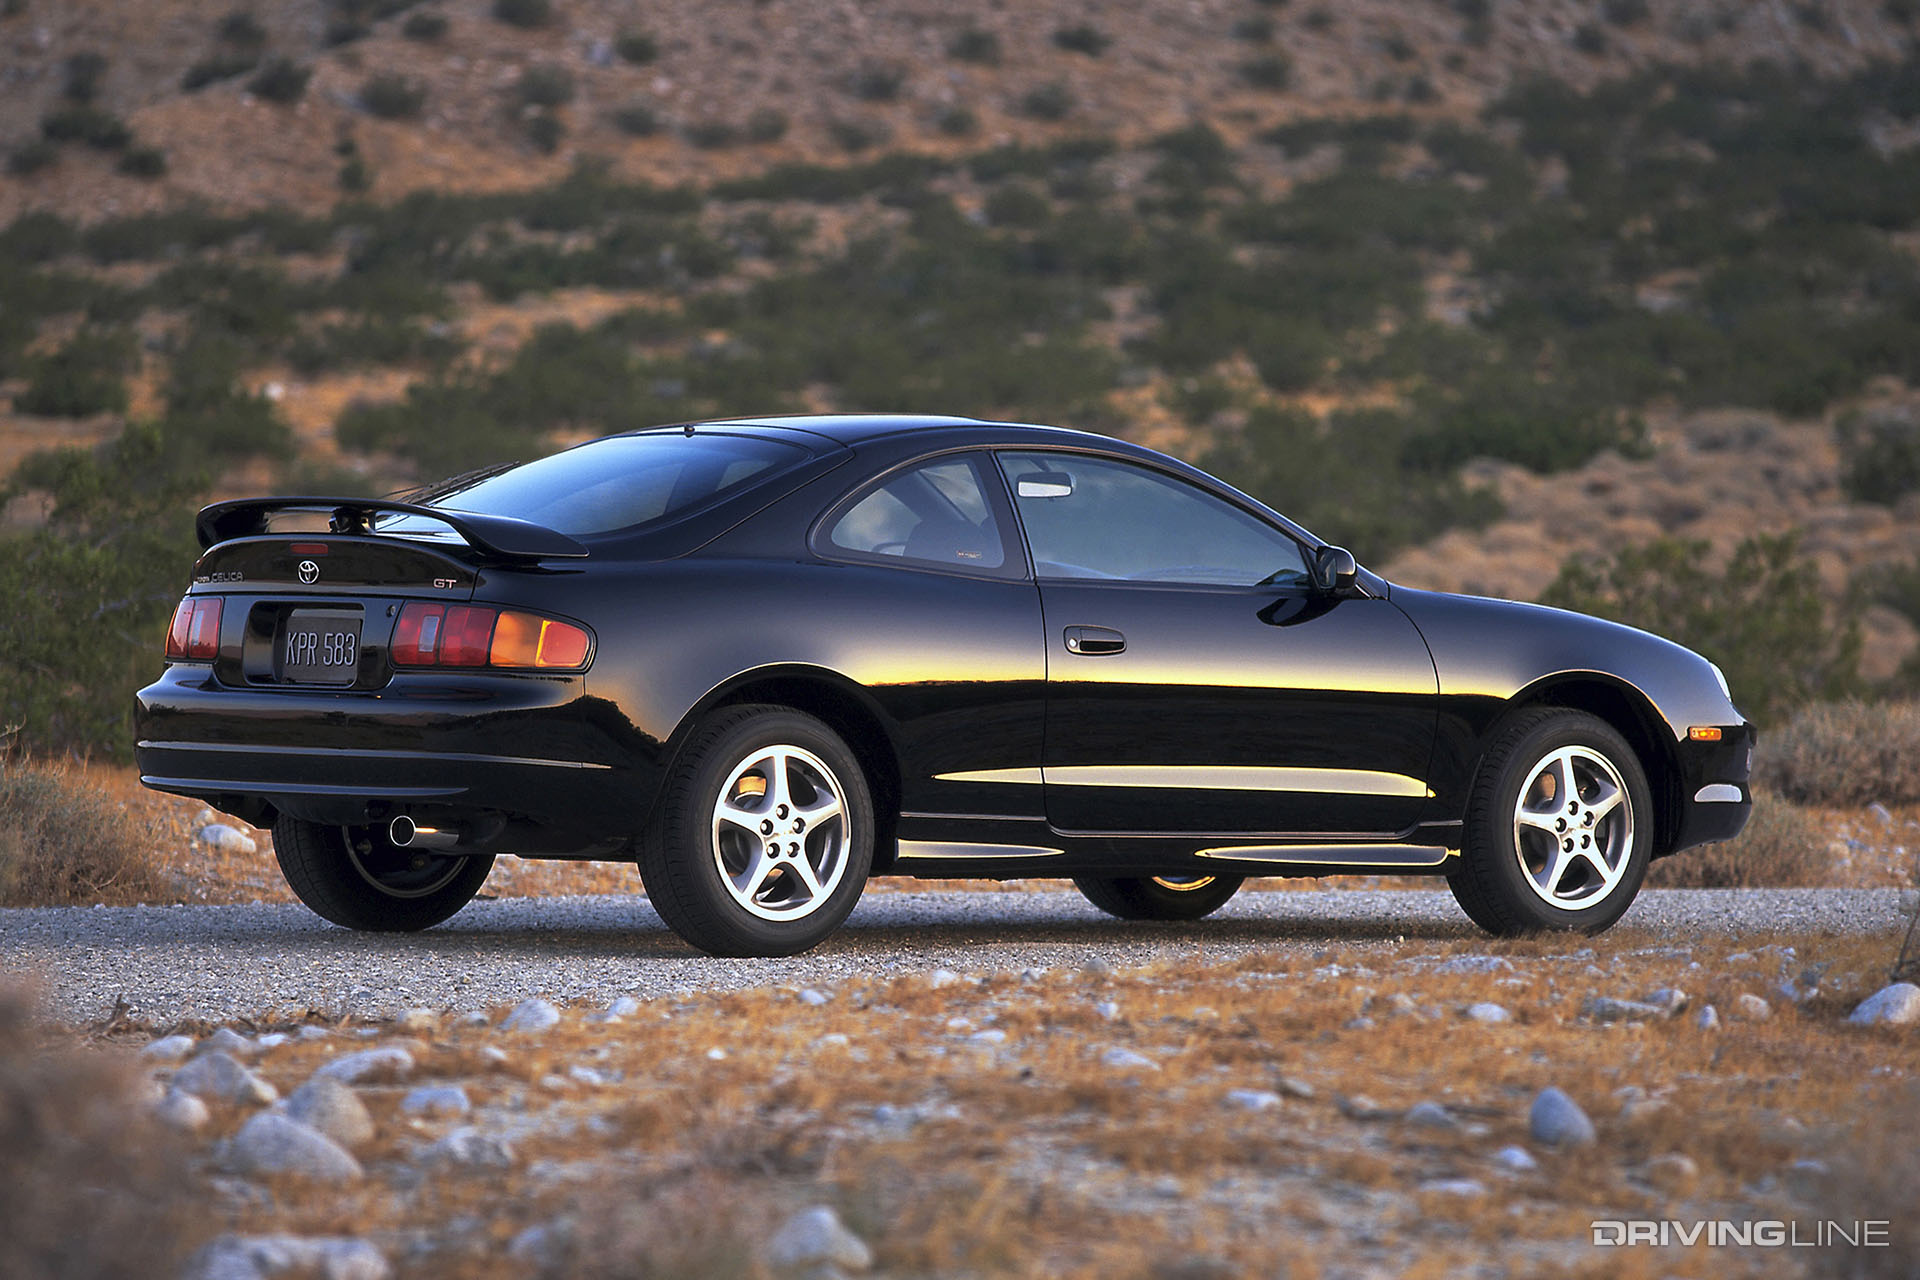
{"x": 616, "y": 483}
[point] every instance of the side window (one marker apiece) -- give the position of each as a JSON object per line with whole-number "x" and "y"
{"x": 1097, "y": 518}
{"x": 936, "y": 513}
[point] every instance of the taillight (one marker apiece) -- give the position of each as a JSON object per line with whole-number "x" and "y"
{"x": 195, "y": 633}
{"x": 467, "y": 635}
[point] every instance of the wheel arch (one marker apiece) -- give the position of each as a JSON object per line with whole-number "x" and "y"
{"x": 840, "y": 704}
{"x": 1633, "y": 716}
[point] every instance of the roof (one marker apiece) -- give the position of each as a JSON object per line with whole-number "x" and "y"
{"x": 850, "y": 428}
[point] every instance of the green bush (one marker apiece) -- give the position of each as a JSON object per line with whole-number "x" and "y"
{"x": 241, "y": 28}
{"x": 32, "y": 157}
{"x": 525, "y": 14}
{"x": 1880, "y": 451}
{"x": 425, "y": 26}
{"x": 636, "y": 46}
{"x": 854, "y": 136}
{"x": 99, "y": 129}
{"x": 393, "y": 97}
{"x": 142, "y": 162}
{"x": 637, "y": 119}
{"x": 1082, "y": 37}
{"x": 1762, "y": 618}
{"x": 1017, "y": 205}
{"x": 1273, "y": 72}
{"x": 1844, "y": 754}
{"x": 1050, "y": 101}
{"x": 220, "y": 66}
{"x": 86, "y": 376}
{"x": 282, "y": 80}
{"x": 83, "y": 72}
{"x": 40, "y": 236}
{"x": 1255, "y": 29}
{"x": 368, "y": 341}
{"x": 545, "y": 132}
{"x": 766, "y": 124}
{"x": 972, "y": 44}
{"x": 877, "y": 81}
{"x": 713, "y": 135}
{"x": 545, "y": 85}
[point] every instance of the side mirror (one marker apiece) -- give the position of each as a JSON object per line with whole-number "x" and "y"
{"x": 1334, "y": 568}
{"x": 1044, "y": 484}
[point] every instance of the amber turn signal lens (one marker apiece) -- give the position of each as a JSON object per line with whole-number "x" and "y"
{"x": 1704, "y": 733}
{"x": 528, "y": 640}
{"x": 433, "y": 635}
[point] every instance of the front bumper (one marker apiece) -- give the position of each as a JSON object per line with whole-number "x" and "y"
{"x": 1715, "y": 795}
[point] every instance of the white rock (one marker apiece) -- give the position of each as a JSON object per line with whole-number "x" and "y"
{"x": 813, "y": 997}
{"x": 270, "y": 1143}
{"x": 218, "y": 1076}
{"x": 543, "y": 1244}
{"x": 587, "y": 1076}
{"x": 1607, "y": 1009}
{"x": 942, "y": 978}
{"x": 1881, "y": 812}
{"x": 436, "y": 1100}
{"x": 991, "y": 1036}
{"x": 180, "y": 1110}
{"x": 1474, "y": 964}
{"x": 264, "y": 1257}
{"x": 227, "y": 1040}
{"x": 386, "y": 1063}
{"x": 467, "y": 1147}
{"x": 1430, "y": 1115}
{"x": 1672, "y": 999}
{"x": 716, "y": 1054}
{"x": 332, "y": 1108}
{"x": 816, "y": 1237}
{"x": 1909, "y": 901}
{"x": 1294, "y": 1088}
{"x": 1463, "y": 1187}
{"x": 417, "y": 1020}
{"x": 168, "y": 1049}
{"x": 1515, "y": 1159}
{"x": 1672, "y": 1173}
{"x": 1557, "y": 1121}
{"x": 1751, "y": 1008}
{"x": 1253, "y": 1099}
{"x": 1107, "y": 1009}
{"x": 624, "y": 1007}
{"x": 531, "y": 1016}
{"x": 1894, "y": 1006}
{"x": 1487, "y": 1011}
{"x": 272, "y": 1040}
{"x": 1127, "y": 1060}
{"x": 1708, "y": 1019}
{"x": 225, "y": 839}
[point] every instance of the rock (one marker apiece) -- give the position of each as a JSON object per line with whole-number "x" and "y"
{"x": 217, "y": 1076}
{"x": 262, "y": 1257}
{"x": 1751, "y": 1008}
{"x": 1253, "y": 1099}
{"x": 531, "y": 1016}
{"x": 1489, "y": 1012}
{"x": 991, "y": 1036}
{"x": 1294, "y": 1088}
{"x": 1909, "y": 901}
{"x": 1607, "y": 1009}
{"x": 436, "y": 1100}
{"x": 813, "y": 997}
{"x": 1515, "y": 1159}
{"x": 942, "y": 978}
{"x": 624, "y": 1007}
{"x": 1097, "y": 968}
{"x": 326, "y": 1106}
{"x": 1671, "y": 999}
{"x": 271, "y": 1143}
{"x": 183, "y": 1111}
{"x": 1362, "y": 1023}
{"x": 1401, "y": 1005}
{"x": 1708, "y": 1019}
{"x": 1430, "y": 1115}
{"x": 588, "y": 1076}
{"x": 272, "y": 1040}
{"x": 1881, "y": 812}
{"x": 1127, "y": 1060}
{"x": 1464, "y": 1187}
{"x": 222, "y": 838}
{"x": 1557, "y": 1121}
{"x": 1672, "y": 1173}
{"x": 1894, "y": 1006}
{"x": 544, "y": 1244}
{"x": 816, "y": 1237}
{"x": 468, "y": 1148}
{"x": 169, "y": 1049}
{"x": 228, "y": 1041}
{"x": 417, "y": 1020}
{"x": 1107, "y": 1009}
{"x": 388, "y": 1063}
{"x": 1474, "y": 964}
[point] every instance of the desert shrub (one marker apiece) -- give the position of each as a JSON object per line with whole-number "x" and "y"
{"x": 1624, "y": 13}
{"x": 637, "y": 120}
{"x": 525, "y": 14}
{"x": 1780, "y": 848}
{"x": 426, "y": 26}
{"x": 876, "y": 81}
{"x": 636, "y": 46}
{"x": 281, "y": 80}
{"x": 1881, "y": 453}
{"x": 84, "y": 377}
{"x": 1590, "y": 38}
{"x": 1844, "y": 753}
{"x": 220, "y": 66}
{"x": 1254, "y": 29}
{"x": 1082, "y": 37}
{"x": 66, "y": 843}
{"x": 545, "y": 85}
{"x": 32, "y": 157}
{"x": 1273, "y": 72}
{"x": 368, "y": 341}
{"x": 341, "y": 31}
{"x": 393, "y": 97}
{"x": 1398, "y": 47}
{"x": 972, "y": 44}
{"x": 82, "y": 72}
{"x": 854, "y": 136}
{"x": 545, "y": 132}
{"x": 99, "y": 129}
{"x": 93, "y": 1187}
{"x": 1761, "y": 618}
{"x": 241, "y": 28}
{"x": 143, "y": 162}
{"x": 39, "y": 236}
{"x": 766, "y": 124}
{"x": 1015, "y": 204}
{"x": 1050, "y": 101}
{"x": 713, "y": 135}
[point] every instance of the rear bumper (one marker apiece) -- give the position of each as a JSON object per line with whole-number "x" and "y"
{"x": 1715, "y": 793}
{"x": 533, "y": 750}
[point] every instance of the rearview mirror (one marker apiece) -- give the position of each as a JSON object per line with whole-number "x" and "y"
{"x": 1044, "y": 484}
{"x": 1334, "y": 568}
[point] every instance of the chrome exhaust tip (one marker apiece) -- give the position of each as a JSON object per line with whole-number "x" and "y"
{"x": 405, "y": 833}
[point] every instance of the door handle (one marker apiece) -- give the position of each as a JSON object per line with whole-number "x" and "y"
{"x": 1094, "y": 642}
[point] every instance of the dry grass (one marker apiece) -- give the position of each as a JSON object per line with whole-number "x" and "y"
{"x": 1782, "y": 847}
{"x": 65, "y": 842}
{"x": 1846, "y": 753}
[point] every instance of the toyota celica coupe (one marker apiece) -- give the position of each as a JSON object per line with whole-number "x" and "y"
{"x": 769, "y": 658}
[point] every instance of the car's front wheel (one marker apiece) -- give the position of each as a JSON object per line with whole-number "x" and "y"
{"x": 356, "y": 877}
{"x": 1559, "y": 827}
{"x": 1159, "y": 897}
{"x": 764, "y": 835}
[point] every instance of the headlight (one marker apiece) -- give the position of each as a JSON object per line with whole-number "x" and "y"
{"x": 1721, "y": 676}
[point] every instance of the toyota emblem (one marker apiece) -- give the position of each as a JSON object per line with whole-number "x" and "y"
{"x": 309, "y": 571}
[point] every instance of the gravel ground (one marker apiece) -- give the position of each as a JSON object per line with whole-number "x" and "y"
{"x": 276, "y": 962}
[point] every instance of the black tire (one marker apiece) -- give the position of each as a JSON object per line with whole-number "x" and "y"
{"x": 1159, "y": 897}
{"x": 1510, "y": 878}
{"x": 759, "y": 906}
{"x": 356, "y": 877}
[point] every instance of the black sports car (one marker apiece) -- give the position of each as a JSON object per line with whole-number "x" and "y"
{"x": 768, "y": 658}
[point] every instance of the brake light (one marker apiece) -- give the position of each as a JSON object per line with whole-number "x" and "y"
{"x": 195, "y": 633}
{"x": 433, "y": 635}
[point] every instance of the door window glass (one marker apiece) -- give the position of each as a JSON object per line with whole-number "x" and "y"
{"x": 936, "y": 513}
{"x": 1097, "y": 518}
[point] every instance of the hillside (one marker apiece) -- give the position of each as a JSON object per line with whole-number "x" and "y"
{"x": 1477, "y": 287}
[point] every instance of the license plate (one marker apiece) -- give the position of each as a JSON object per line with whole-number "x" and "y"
{"x": 319, "y": 647}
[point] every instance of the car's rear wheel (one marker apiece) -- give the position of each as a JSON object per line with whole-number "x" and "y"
{"x": 1159, "y": 897}
{"x": 1559, "y": 827}
{"x": 356, "y": 877}
{"x": 764, "y": 835}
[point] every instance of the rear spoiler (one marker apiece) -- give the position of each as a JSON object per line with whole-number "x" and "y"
{"x": 500, "y": 536}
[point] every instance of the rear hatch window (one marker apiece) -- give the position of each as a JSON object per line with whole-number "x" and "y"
{"x": 616, "y": 483}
